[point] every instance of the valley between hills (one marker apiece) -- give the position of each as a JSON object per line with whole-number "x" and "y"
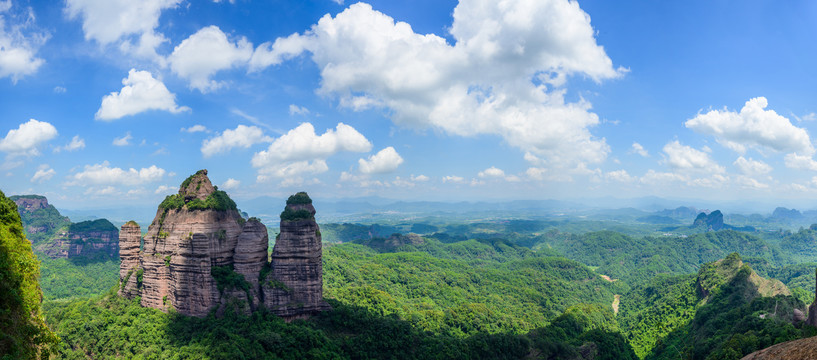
{"x": 205, "y": 279}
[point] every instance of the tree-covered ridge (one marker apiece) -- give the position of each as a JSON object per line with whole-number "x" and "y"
{"x": 724, "y": 310}
{"x": 99, "y": 225}
{"x": 637, "y": 260}
{"x": 218, "y": 200}
{"x": 32, "y": 196}
{"x": 43, "y": 223}
{"x": 23, "y": 333}
{"x": 300, "y": 198}
{"x": 470, "y": 288}
{"x": 113, "y": 327}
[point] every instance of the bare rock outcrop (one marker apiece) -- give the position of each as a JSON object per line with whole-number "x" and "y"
{"x": 200, "y": 255}
{"x": 294, "y": 287}
{"x": 130, "y": 239}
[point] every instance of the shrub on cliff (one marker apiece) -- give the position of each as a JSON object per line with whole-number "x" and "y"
{"x": 23, "y": 333}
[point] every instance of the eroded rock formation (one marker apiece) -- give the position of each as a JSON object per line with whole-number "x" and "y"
{"x": 294, "y": 287}
{"x": 85, "y": 238}
{"x": 200, "y": 255}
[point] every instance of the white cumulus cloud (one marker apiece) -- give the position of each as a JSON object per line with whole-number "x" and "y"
{"x": 205, "y": 53}
{"x": 44, "y": 172}
{"x": 686, "y": 158}
{"x": 242, "y": 137}
{"x": 386, "y": 160}
{"x": 131, "y": 24}
{"x": 27, "y": 137}
{"x": 230, "y": 184}
{"x": 18, "y": 43}
{"x": 491, "y": 172}
{"x": 503, "y": 76}
{"x": 103, "y": 174}
{"x": 753, "y": 126}
{"x": 141, "y": 92}
{"x": 294, "y": 150}
{"x": 751, "y": 166}
{"x": 619, "y": 175}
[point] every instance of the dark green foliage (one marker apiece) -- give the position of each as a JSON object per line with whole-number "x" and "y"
{"x": 293, "y": 215}
{"x": 636, "y": 260}
{"x": 462, "y": 289}
{"x": 226, "y": 278}
{"x": 98, "y": 225}
{"x": 300, "y": 198}
{"x": 23, "y": 333}
{"x": 77, "y": 277}
{"x": 189, "y": 179}
{"x": 218, "y": 200}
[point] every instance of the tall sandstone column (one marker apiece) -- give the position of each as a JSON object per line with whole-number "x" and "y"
{"x": 130, "y": 237}
{"x": 294, "y": 288}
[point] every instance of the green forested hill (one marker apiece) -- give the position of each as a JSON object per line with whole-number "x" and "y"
{"x": 724, "y": 312}
{"x": 473, "y": 300}
{"x": 23, "y": 334}
{"x": 636, "y": 260}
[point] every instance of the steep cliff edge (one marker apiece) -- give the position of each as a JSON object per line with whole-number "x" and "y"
{"x": 294, "y": 287}
{"x": 200, "y": 255}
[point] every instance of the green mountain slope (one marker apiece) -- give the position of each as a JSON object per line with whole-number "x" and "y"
{"x": 23, "y": 334}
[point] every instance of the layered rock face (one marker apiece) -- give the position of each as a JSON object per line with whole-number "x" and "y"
{"x": 130, "y": 239}
{"x": 84, "y": 239}
{"x": 200, "y": 255}
{"x": 294, "y": 287}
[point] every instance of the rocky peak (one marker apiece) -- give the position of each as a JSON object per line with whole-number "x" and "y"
{"x": 200, "y": 256}
{"x": 713, "y": 221}
{"x": 30, "y": 203}
{"x": 197, "y": 186}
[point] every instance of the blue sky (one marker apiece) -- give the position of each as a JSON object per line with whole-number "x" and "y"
{"x": 110, "y": 102}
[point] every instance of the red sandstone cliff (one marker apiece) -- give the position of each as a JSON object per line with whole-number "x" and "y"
{"x": 200, "y": 255}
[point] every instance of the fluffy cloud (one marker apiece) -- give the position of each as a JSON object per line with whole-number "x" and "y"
{"x": 685, "y": 158}
{"x": 103, "y": 174}
{"x": 130, "y": 23}
{"x": 753, "y": 127}
{"x": 75, "y": 144}
{"x": 800, "y": 162}
{"x": 752, "y": 167}
{"x": 491, "y": 172}
{"x": 141, "y": 92}
{"x": 638, "y": 149}
{"x": 419, "y": 178}
{"x": 293, "y": 151}
{"x": 44, "y": 172}
{"x": 17, "y": 50}
{"x": 386, "y": 160}
{"x": 163, "y": 189}
{"x": 27, "y": 137}
{"x": 503, "y": 76}
{"x": 453, "y": 179}
{"x": 230, "y": 184}
{"x": 205, "y": 53}
{"x": 124, "y": 140}
{"x": 243, "y": 136}
{"x": 619, "y": 175}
